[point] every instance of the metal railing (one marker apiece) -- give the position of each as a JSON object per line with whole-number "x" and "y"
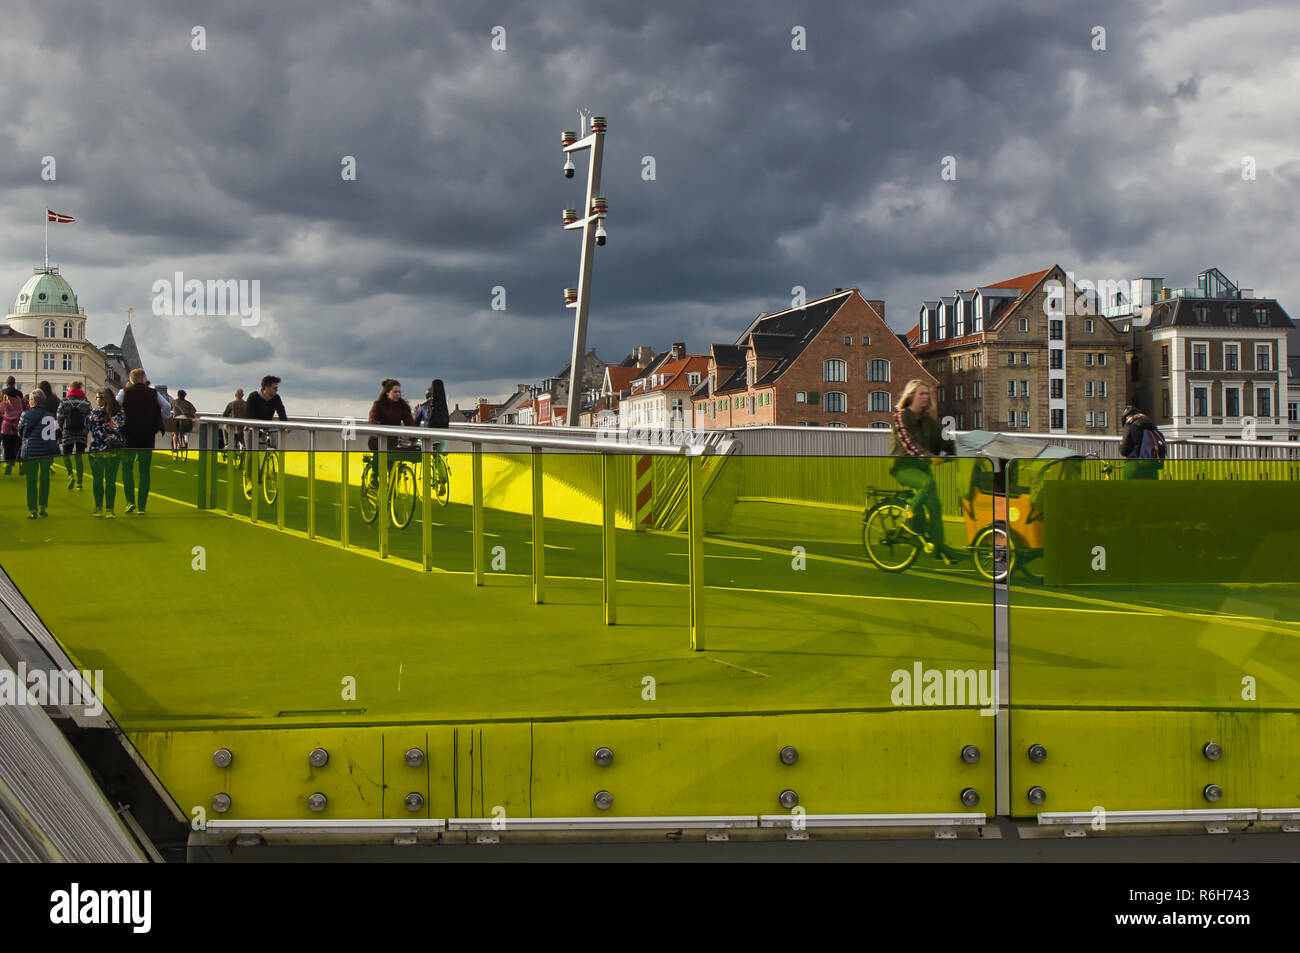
{"x": 475, "y": 438}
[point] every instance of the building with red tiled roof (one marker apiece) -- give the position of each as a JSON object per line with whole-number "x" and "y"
{"x": 660, "y": 395}
{"x": 1029, "y": 353}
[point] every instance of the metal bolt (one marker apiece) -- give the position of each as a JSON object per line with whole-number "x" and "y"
{"x": 604, "y": 756}
{"x": 414, "y": 757}
{"x": 788, "y": 799}
{"x": 414, "y": 801}
{"x": 1037, "y": 753}
{"x": 1212, "y": 751}
{"x": 604, "y": 800}
{"x": 1037, "y": 795}
{"x": 970, "y": 797}
{"x": 317, "y": 802}
{"x": 789, "y": 754}
{"x": 222, "y": 757}
{"x": 221, "y": 803}
{"x": 970, "y": 754}
{"x": 1212, "y": 792}
{"x": 319, "y": 757}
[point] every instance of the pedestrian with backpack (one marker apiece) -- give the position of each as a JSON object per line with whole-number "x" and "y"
{"x": 73, "y": 417}
{"x": 144, "y": 421}
{"x": 12, "y": 405}
{"x": 1143, "y": 447}
{"x": 107, "y": 423}
{"x": 37, "y": 428}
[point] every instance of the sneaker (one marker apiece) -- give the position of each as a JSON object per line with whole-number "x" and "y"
{"x": 97, "y": 511}
{"x": 31, "y": 514}
{"x": 110, "y": 515}
{"x": 140, "y": 513}
{"x": 43, "y": 512}
{"x": 72, "y": 481}
{"x": 130, "y": 507}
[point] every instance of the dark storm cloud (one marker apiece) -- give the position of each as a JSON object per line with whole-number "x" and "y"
{"x": 774, "y": 167}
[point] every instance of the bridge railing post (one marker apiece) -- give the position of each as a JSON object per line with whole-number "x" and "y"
{"x": 539, "y": 529}
{"x": 476, "y": 514}
{"x": 695, "y": 548}
{"x": 426, "y": 507}
{"x": 608, "y": 568}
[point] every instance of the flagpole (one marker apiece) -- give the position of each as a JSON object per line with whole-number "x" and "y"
{"x": 47, "y": 239}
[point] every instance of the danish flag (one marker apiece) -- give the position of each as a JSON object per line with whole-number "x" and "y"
{"x": 52, "y": 216}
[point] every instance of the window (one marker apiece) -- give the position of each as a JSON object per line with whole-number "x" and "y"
{"x": 1200, "y": 356}
{"x": 1200, "y": 402}
{"x": 693, "y": 378}
{"x": 1024, "y": 324}
{"x": 1011, "y": 388}
{"x": 751, "y": 374}
{"x": 1101, "y": 360}
{"x": 836, "y": 423}
{"x": 1011, "y": 357}
{"x": 1164, "y": 360}
{"x": 47, "y": 362}
{"x": 878, "y": 371}
{"x": 67, "y": 362}
{"x": 978, "y": 389}
{"x": 1058, "y": 420}
{"x": 866, "y": 341}
{"x": 1263, "y": 357}
{"x": 1011, "y": 419}
{"x": 1058, "y": 389}
{"x": 880, "y": 401}
{"x": 1087, "y": 388}
{"x": 1088, "y": 419}
{"x": 47, "y": 329}
{"x": 1231, "y": 312}
{"x": 1164, "y": 403}
{"x": 1056, "y": 330}
{"x": 979, "y": 420}
{"x": 1231, "y": 357}
{"x": 957, "y": 389}
{"x": 1202, "y": 314}
{"x": 1261, "y": 314}
{"x": 939, "y": 395}
{"x": 1232, "y": 401}
{"x": 1056, "y": 359}
{"x": 1024, "y": 357}
{"x": 1087, "y": 360}
{"x": 1024, "y": 420}
{"x": 15, "y": 361}
{"x": 1101, "y": 418}
{"x": 813, "y": 397}
{"x": 1024, "y": 388}
{"x": 800, "y": 398}
{"x": 1101, "y": 388}
{"x": 751, "y": 405}
{"x": 1087, "y": 325}
{"x": 67, "y": 329}
{"x": 1293, "y": 412}
{"x": 835, "y": 370}
{"x": 836, "y": 402}
{"x": 1263, "y": 402}
{"x": 848, "y": 339}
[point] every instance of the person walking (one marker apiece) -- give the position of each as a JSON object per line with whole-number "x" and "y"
{"x": 106, "y": 439}
{"x": 143, "y": 422}
{"x": 37, "y": 428}
{"x": 917, "y": 436}
{"x": 12, "y": 406}
{"x": 1142, "y": 446}
{"x": 73, "y": 416}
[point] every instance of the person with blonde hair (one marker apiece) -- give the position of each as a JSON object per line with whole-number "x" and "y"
{"x": 917, "y": 436}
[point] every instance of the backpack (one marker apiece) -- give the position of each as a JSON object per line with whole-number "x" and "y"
{"x": 1154, "y": 446}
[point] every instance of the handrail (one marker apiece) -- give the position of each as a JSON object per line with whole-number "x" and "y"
{"x": 431, "y": 433}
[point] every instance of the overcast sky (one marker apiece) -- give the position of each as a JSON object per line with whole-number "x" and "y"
{"x": 774, "y": 167}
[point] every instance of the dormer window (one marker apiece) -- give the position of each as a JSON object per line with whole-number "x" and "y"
{"x": 1232, "y": 315}
{"x": 1261, "y": 315}
{"x": 1202, "y": 314}
{"x": 693, "y": 378}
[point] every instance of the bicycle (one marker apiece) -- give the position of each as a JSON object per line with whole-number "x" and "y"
{"x": 268, "y": 469}
{"x": 890, "y": 542}
{"x": 401, "y": 489}
{"x": 232, "y": 448}
{"x": 180, "y": 437}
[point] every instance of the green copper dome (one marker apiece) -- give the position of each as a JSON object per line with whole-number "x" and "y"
{"x": 46, "y": 292}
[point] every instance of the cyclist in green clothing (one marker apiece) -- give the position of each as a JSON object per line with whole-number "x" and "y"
{"x": 917, "y": 436}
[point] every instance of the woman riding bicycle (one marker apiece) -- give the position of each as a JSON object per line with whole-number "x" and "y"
{"x": 917, "y": 436}
{"x": 392, "y": 411}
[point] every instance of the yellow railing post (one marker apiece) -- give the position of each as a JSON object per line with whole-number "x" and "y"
{"x": 608, "y": 569}
{"x": 695, "y": 548}
{"x": 476, "y": 452}
{"x": 343, "y": 496}
{"x": 381, "y": 505}
{"x": 539, "y": 530}
{"x": 426, "y": 508}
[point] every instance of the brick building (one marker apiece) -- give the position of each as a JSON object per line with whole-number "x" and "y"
{"x": 1031, "y": 353}
{"x": 831, "y": 363}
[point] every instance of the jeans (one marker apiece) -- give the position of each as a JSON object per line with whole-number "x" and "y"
{"x": 103, "y": 476}
{"x": 34, "y": 469}
{"x": 73, "y": 449}
{"x": 1141, "y": 470}
{"x": 132, "y": 458}
{"x": 925, "y": 501}
{"x": 12, "y": 443}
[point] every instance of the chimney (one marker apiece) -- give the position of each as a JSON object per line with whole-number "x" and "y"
{"x": 1164, "y": 294}
{"x": 644, "y": 355}
{"x": 520, "y": 388}
{"x": 880, "y": 308}
{"x": 679, "y": 350}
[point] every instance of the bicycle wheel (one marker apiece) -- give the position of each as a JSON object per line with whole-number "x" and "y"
{"x": 369, "y": 493}
{"x": 888, "y": 544}
{"x": 271, "y": 477}
{"x": 401, "y": 495}
{"x": 236, "y": 457}
{"x": 994, "y": 553}
{"x": 440, "y": 479}
{"x": 246, "y": 468}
